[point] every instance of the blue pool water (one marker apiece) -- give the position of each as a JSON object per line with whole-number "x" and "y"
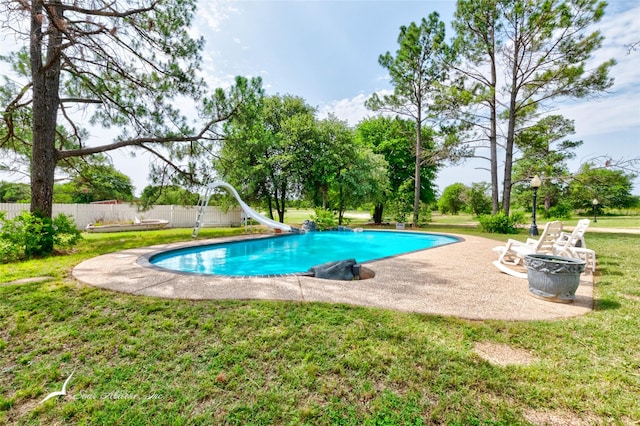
{"x": 290, "y": 254}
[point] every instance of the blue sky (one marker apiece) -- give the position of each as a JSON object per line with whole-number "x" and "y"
{"x": 321, "y": 50}
{"x": 326, "y": 51}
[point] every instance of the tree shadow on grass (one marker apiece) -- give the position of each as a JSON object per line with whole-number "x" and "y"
{"x": 605, "y": 304}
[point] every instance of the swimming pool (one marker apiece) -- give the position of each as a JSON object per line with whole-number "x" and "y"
{"x": 293, "y": 254}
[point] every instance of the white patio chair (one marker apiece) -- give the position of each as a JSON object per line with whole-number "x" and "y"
{"x": 514, "y": 251}
{"x": 573, "y": 245}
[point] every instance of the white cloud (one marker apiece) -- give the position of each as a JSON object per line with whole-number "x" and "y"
{"x": 609, "y": 115}
{"x": 620, "y": 31}
{"x": 213, "y": 13}
{"x": 351, "y": 110}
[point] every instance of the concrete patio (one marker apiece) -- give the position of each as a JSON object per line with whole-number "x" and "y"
{"x": 453, "y": 280}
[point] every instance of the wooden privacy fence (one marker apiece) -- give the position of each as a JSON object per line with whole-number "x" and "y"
{"x": 178, "y": 216}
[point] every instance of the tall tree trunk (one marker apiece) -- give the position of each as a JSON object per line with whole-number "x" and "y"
{"x": 46, "y": 81}
{"x": 341, "y": 207}
{"x": 511, "y": 130}
{"x": 508, "y": 156}
{"x": 493, "y": 136}
{"x": 270, "y": 206}
{"x": 417, "y": 187}
{"x": 281, "y": 202}
{"x": 377, "y": 213}
{"x": 324, "y": 193}
{"x": 547, "y": 201}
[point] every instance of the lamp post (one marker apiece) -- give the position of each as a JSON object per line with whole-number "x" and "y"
{"x": 535, "y": 184}
{"x": 595, "y": 203}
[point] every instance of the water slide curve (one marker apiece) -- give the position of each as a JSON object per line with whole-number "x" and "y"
{"x": 251, "y": 212}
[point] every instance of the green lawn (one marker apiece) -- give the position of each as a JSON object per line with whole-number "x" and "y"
{"x": 139, "y": 360}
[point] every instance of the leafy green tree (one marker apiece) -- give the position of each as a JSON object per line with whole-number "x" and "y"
{"x": 167, "y": 196}
{"x": 416, "y": 71}
{"x": 14, "y": 192}
{"x": 362, "y": 180}
{"x": 101, "y": 182}
{"x": 126, "y": 64}
{"x": 545, "y": 153}
{"x": 262, "y": 147}
{"x": 394, "y": 139}
{"x": 612, "y": 188}
{"x": 329, "y": 152}
{"x": 63, "y": 192}
{"x": 478, "y": 198}
{"x": 453, "y": 199}
{"x": 542, "y": 47}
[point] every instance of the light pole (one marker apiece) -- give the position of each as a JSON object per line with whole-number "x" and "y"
{"x": 535, "y": 184}
{"x": 595, "y": 203}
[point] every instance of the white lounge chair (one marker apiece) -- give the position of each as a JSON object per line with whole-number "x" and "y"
{"x": 514, "y": 251}
{"x": 573, "y": 245}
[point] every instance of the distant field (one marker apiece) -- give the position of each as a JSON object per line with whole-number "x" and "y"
{"x": 296, "y": 216}
{"x": 300, "y": 215}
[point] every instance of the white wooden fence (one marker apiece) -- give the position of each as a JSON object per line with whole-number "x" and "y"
{"x": 178, "y": 216}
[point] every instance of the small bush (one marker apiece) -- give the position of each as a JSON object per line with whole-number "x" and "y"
{"x": 399, "y": 209}
{"x": 559, "y": 211}
{"x": 29, "y": 236}
{"x": 324, "y": 219}
{"x": 500, "y": 223}
{"x": 425, "y": 214}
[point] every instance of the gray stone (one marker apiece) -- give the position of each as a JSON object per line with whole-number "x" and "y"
{"x": 338, "y": 270}
{"x": 309, "y": 226}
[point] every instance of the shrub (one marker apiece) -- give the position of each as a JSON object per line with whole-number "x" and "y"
{"x": 559, "y": 211}
{"x": 324, "y": 219}
{"x": 425, "y": 214}
{"x": 29, "y": 236}
{"x": 500, "y": 223}
{"x": 66, "y": 233}
{"x": 399, "y": 210}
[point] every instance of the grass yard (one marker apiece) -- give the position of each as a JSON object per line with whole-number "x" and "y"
{"x": 143, "y": 361}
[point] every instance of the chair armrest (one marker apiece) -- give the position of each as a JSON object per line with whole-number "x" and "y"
{"x": 512, "y": 241}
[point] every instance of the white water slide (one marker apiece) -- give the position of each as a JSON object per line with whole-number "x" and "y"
{"x": 251, "y": 212}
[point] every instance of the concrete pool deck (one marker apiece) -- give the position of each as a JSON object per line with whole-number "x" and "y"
{"x": 452, "y": 280}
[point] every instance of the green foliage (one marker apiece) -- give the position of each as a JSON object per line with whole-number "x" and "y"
{"x": 29, "y": 236}
{"x": 137, "y": 64}
{"x": 545, "y": 152}
{"x": 341, "y": 171}
{"x": 425, "y": 214}
{"x": 399, "y": 210}
{"x": 559, "y": 211}
{"x": 452, "y": 200}
{"x": 612, "y": 188}
{"x": 166, "y": 196}
{"x": 66, "y": 233}
{"x": 400, "y": 203}
{"x": 394, "y": 138}
{"x": 324, "y": 219}
{"x": 268, "y": 146}
{"x": 478, "y": 199}
{"x": 501, "y": 223}
{"x": 360, "y": 180}
{"x": 14, "y": 192}
{"x": 101, "y": 182}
